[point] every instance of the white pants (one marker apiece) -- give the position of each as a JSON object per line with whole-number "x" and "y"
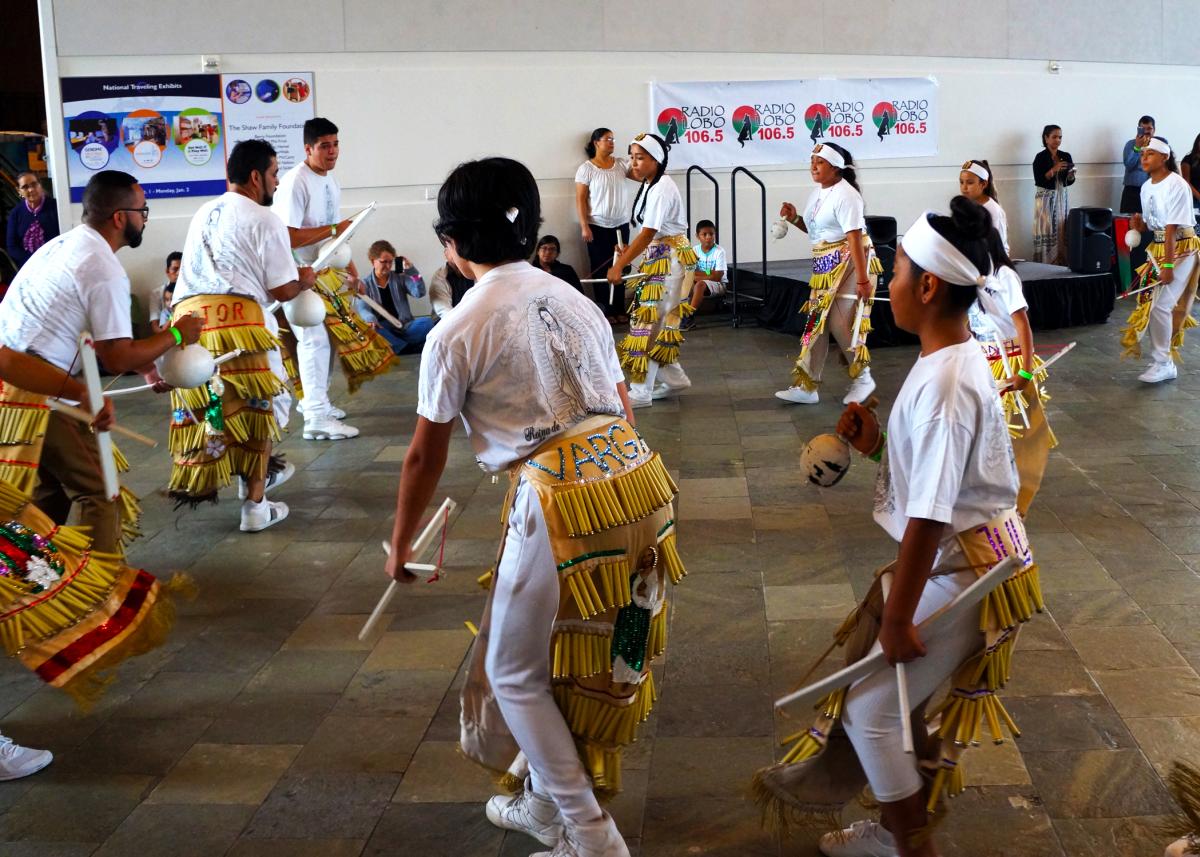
{"x": 524, "y": 603}
{"x": 281, "y": 404}
{"x": 314, "y": 356}
{"x": 872, "y": 712}
{"x": 1161, "y": 314}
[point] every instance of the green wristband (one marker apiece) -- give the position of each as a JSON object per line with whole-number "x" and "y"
{"x": 877, "y": 455}
{"x": 175, "y": 333}
{"x": 1169, "y": 266}
{"x": 1028, "y": 376}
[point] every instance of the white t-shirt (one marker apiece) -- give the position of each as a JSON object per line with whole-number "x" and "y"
{"x": 999, "y": 220}
{"x": 832, "y": 212}
{"x": 664, "y": 209}
{"x": 305, "y": 199}
{"x": 608, "y": 192}
{"x": 1168, "y": 202}
{"x": 71, "y": 284}
{"x": 235, "y": 246}
{"x": 949, "y": 457}
{"x": 522, "y": 358}
{"x": 992, "y": 313}
{"x": 157, "y": 308}
{"x": 713, "y": 260}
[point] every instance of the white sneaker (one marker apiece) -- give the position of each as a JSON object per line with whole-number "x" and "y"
{"x": 273, "y": 481}
{"x": 334, "y": 411}
{"x": 258, "y": 516}
{"x": 861, "y": 839}
{"x": 17, "y": 761}
{"x": 860, "y": 388}
{"x": 528, "y": 813}
{"x": 600, "y": 839}
{"x": 798, "y": 396}
{"x": 328, "y": 428}
{"x": 1158, "y": 372}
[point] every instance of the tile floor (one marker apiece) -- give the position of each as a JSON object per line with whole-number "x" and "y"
{"x": 266, "y": 729}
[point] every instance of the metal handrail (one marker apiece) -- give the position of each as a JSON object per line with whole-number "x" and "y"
{"x": 716, "y": 197}
{"x": 737, "y": 316}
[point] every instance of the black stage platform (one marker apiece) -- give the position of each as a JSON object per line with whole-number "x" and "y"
{"x": 1057, "y": 298}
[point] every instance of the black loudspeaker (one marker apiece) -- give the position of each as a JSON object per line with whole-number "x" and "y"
{"x": 882, "y": 232}
{"x": 1089, "y": 240}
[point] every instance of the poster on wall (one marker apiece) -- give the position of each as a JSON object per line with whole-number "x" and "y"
{"x": 269, "y": 106}
{"x": 167, "y": 131}
{"x": 760, "y": 122}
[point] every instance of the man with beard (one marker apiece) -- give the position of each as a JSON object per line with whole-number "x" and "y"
{"x": 73, "y": 284}
{"x": 237, "y": 260}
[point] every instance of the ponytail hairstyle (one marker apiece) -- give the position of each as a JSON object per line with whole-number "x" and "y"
{"x": 491, "y": 209}
{"x": 847, "y": 172}
{"x": 990, "y": 190}
{"x": 597, "y": 135}
{"x": 643, "y": 193}
{"x": 1171, "y": 165}
{"x": 969, "y": 228}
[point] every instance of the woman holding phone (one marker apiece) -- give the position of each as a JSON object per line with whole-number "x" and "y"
{"x": 1053, "y": 173}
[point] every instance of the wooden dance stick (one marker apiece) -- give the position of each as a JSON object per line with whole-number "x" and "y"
{"x": 381, "y": 312}
{"x": 91, "y": 376}
{"x": 331, "y": 246}
{"x": 929, "y": 630}
{"x": 419, "y": 546}
{"x": 858, "y": 314}
{"x": 1008, "y": 374}
{"x": 855, "y": 297}
{"x": 1046, "y": 365}
{"x": 905, "y": 706}
{"x": 84, "y": 416}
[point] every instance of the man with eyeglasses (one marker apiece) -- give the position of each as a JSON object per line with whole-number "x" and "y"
{"x": 1135, "y": 176}
{"x": 32, "y": 222}
{"x": 73, "y": 284}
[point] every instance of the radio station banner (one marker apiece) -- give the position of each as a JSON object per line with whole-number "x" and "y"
{"x": 269, "y": 106}
{"x": 760, "y": 122}
{"x": 167, "y": 131}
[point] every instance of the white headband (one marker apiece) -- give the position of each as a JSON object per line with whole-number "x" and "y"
{"x": 925, "y": 246}
{"x": 1157, "y": 145}
{"x": 653, "y": 148}
{"x": 831, "y": 155}
{"x": 978, "y": 169}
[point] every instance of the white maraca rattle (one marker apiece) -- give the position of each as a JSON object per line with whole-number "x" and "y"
{"x": 187, "y": 367}
{"x": 305, "y": 309}
{"x": 1133, "y": 238}
{"x": 341, "y": 256}
{"x": 779, "y": 229}
{"x": 826, "y": 458}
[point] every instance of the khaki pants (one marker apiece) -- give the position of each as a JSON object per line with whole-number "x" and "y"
{"x": 69, "y": 473}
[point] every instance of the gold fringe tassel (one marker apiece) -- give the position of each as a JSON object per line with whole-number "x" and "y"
{"x": 617, "y": 500}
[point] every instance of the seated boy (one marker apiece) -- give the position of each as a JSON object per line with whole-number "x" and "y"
{"x": 710, "y": 270}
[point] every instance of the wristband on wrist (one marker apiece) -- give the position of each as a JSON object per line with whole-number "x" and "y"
{"x": 1168, "y": 265}
{"x": 333, "y": 230}
{"x": 878, "y": 453}
{"x": 175, "y": 333}
{"x": 1028, "y": 376}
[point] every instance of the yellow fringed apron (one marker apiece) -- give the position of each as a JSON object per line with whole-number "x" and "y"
{"x": 225, "y": 427}
{"x": 810, "y": 784}
{"x": 70, "y": 614}
{"x": 1187, "y": 243}
{"x": 363, "y": 353}
{"x": 607, "y": 502}
{"x": 1031, "y": 446}
{"x": 24, "y": 418}
{"x": 832, "y": 264}
{"x": 654, "y": 335}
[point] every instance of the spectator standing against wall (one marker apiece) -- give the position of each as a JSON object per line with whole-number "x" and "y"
{"x": 1135, "y": 176}
{"x": 600, "y": 199}
{"x": 1053, "y": 173}
{"x": 1189, "y": 168}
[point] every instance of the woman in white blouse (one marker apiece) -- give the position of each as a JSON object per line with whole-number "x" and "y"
{"x": 600, "y": 199}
